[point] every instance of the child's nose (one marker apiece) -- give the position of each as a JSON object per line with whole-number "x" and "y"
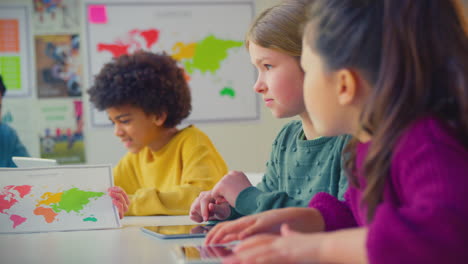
{"x": 118, "y": 130}
{"x": 259, "y": 86}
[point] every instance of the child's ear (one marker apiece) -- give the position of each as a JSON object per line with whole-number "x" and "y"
{"x": 346, "y": 86}
{"x": 160, "y": 119}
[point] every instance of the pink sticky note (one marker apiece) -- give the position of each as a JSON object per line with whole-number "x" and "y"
{"x": 97, "y": 14}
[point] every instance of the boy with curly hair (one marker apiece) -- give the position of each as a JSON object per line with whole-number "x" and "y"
{"x": 146, "y": 96}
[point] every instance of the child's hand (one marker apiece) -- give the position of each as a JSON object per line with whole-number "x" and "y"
{"x": 265, "y": 222}
{"x": 206, "y": 208}
{"x": 301, "y": 219}
{"x": 290, "y": 247}
{"x": 230, "y": 186}
{"x": 119, "y": 199}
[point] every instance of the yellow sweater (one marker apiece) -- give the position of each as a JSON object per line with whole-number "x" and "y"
{"x": 167, "y": 181}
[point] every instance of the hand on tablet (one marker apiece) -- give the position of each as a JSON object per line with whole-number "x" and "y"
{"x": 301, "y": 219}
{"x": 119, "y": 199}
{"x": 206, "y": 208}
{"x": 229, "y": 187}
{"x": 290, "y": 247}
{"x": 266, "y": 222}
{"x": 216, "y": 204}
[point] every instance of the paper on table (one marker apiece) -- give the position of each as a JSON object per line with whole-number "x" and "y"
{"x": 56, "y": 199}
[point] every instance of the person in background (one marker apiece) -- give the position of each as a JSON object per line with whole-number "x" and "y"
{"x": 301, "y": 163}
{"x": 10, "y": 144}
{"x": 400, "y": 86}
{"x": 146, "y": 96}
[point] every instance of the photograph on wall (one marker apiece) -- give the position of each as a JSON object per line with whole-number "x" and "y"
{"x": 207, "y": 40}
{"x": 56, "y": 16}
{"x": 58, "y": 66}
{"x": 15, "y": 59}
{"x": 61, "y": 131}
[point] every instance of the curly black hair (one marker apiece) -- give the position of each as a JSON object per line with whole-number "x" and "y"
{"x": 150, "y": 81}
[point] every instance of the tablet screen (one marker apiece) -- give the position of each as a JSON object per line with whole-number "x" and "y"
{"x": 178, "y": 231}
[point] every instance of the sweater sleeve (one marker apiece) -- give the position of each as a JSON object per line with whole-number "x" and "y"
{"x": 265, "y": 196}
{"x": 203, "y": 167}
{"x": 431, "y": 226}
{"x": 336, "y": 214}
{"x": 262, "y": 201}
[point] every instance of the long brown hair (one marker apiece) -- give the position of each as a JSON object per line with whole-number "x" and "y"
{"x": 278, "y": 27}
{"x": 414, "y": 54}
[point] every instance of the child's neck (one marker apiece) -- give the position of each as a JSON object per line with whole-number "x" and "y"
{"x": 164, "y": 137}
{"x": 308, "y": 127}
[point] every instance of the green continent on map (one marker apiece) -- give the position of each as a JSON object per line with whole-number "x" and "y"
{"x": 228, "y": 91}
{"x": 74, "y": 200}
{"x": 209, "y": 53}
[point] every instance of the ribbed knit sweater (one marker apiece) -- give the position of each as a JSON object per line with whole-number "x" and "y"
{"x": 298, "y": 169}
{"x": 423, "y": 217}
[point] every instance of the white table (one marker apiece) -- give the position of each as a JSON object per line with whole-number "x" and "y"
{"x": 125, "y": 245}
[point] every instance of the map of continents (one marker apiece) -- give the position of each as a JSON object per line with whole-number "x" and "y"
{"x": 49, "y": 206}
{"x": 204, "y": 56}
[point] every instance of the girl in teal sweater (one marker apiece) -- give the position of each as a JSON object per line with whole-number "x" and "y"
{"x": 301, "y": 163}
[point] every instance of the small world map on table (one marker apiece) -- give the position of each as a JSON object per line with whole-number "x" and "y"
{"x": 62, "y": 198}
{"x": 49, "y": 205}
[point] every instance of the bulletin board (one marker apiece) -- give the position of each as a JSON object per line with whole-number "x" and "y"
{"x": 15, "y": 55}
{"x": 206, "y": 38}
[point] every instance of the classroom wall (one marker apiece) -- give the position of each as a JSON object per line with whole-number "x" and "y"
{"x": 244, "y": 145}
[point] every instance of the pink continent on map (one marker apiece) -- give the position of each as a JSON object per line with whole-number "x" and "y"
{"x": 6, "y": 204}
{"x": 17, "y": 220}
{"x": 122, "y": 45}
{"x": 23, "y": 190}
{"x": 7, "y": 197}
{"x": 7, "y": 200}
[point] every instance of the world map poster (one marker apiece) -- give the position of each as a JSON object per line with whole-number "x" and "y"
{"x": 56, "y": 199}
{"x": 207, "y": 40}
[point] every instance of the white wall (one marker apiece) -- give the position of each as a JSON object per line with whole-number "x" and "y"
{"x": 244, "y": 145}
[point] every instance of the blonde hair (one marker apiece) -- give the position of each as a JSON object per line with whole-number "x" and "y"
{"x": 280, "y": 27}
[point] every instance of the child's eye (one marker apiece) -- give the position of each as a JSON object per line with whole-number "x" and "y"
{"x": 267, "y": 66}
{"x": 125, "y": 121}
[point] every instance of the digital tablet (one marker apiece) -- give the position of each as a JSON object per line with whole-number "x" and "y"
{"x": 27, "y": 162}
{"x": 202, "y": 254}
{"x": 177, "y": 231}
